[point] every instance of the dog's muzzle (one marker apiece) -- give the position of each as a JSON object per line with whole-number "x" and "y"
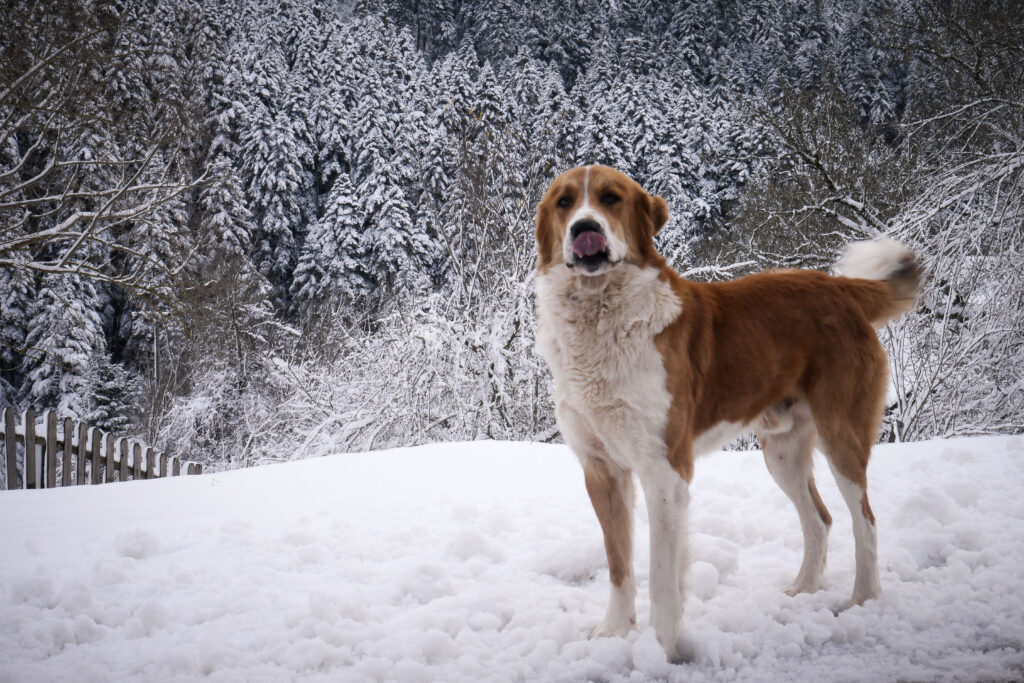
{"x": 589, "y": 245}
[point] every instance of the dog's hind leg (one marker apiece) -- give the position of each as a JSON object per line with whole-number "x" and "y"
{"x": 853, "y": 485}
{"x": 847, "y": 414}
{"x": 611, "y": 491}
{"x": 786, "y": 433}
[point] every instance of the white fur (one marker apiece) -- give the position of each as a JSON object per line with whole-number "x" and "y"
{"x": 866, "y": 584}
{"x": 620, "y": 617}
{"x": 787, "y": 439}
{"x": 611, "y": 401}
{"x": 597, "y": 335}
{"x": 874, "y": 260}
{"x": 616, "y": 247}
{"x": 667, "y": 496}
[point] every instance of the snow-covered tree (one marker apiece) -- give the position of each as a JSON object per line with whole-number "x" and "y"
{"x": 112, "y": 397}
{"x": 65, "y": 333}
{"x": 333, "y": 262}
{"x": 210, "y": 184}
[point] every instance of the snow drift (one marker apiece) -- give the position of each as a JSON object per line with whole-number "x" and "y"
{"x": 484, "y": 562}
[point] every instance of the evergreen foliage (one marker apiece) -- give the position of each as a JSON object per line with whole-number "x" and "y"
{"x": 369, "y": 176}
{"x": 112, "y": 396}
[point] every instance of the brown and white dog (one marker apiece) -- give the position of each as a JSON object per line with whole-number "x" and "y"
{"x": 652, "y": 370}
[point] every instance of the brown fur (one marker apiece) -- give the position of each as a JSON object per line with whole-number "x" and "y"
{"x": 742, "y": 346}
{"x": 613, "y": 514}
{"x": 819, "y": 504}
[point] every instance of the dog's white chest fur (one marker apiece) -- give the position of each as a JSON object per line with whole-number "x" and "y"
{"x": 597, "y": 335}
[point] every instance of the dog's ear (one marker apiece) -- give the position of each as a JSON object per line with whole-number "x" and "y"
{"x": 545, "y": 236}
{"x": 651, "y": 210}
{"x": 659, "y": 213}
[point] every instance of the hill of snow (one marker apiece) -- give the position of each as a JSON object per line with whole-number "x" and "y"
{"x": 484, "y": 562}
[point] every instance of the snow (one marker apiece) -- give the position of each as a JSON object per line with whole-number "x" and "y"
{"x": 484, "y": 562}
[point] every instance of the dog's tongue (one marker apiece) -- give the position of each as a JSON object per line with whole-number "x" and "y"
{"x": 588, "y": 243}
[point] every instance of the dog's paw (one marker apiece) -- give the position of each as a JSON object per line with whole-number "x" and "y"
{"x": 802, "y": 587}
{"x": 673, "y": 653}
{"x": 613, "y": 628}
{"x": 860, "y": 599}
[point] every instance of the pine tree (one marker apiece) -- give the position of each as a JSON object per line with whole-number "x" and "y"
{"x": 237, "y": 298}
{"x": 111, "y": 392}
{"x": 15, "y": 310}
{"x": 278, "y": 161}
{"x": 16, "y": 285}
{"x": 811, "y": 41}
{"x": 225, "y": 222}
{"x": 65, "y": 333}
{"x": 337, "y": 99}
{"x": 333, "y": 263}
{"x": 398, "y": 254}
{"x": 864, "y": 65}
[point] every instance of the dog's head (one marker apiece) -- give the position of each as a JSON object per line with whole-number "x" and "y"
{"x": 594, "y": 218}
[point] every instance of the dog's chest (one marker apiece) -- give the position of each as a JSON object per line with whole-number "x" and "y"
{"x": 600, "y": 346}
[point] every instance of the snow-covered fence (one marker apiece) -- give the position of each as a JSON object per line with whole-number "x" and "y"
{"x": 77, "y": 454}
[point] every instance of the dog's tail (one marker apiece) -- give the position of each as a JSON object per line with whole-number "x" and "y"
{"x": 890, "y": 263}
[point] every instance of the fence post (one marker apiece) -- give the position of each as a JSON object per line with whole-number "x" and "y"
{"x": 51, "y": 449}
{"x": 11, "y": 447}
{"x": 65, "y": 460}
{"x": 97, "y": 448}
{"x": 110, "y": 458}
{"x": 122, "y": 474}
{"x": 69, "y": 449}
{"x": 31, "y": 480}
{"x": 83, "y": 449}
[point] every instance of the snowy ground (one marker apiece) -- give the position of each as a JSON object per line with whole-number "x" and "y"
{"x": 484, "y": 562}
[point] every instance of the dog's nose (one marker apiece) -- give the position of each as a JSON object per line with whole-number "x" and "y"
{"x": 584, "y": 225}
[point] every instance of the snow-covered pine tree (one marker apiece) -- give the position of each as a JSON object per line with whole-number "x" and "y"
{"x": 111, "y": 392}
{"x": 225, "y": 219}
{"x": 65, "y": 334}
{"x": 278, "y": 163}
{"x": 15, "y": 309}
{"x": 398, "y": 255}
{"x": 864, "y": 67}
{"x": 332, "y": 264}
{"x": 642, "y": 122}
{"x": 334, "y": 106}
{"x": 235, "y": 301}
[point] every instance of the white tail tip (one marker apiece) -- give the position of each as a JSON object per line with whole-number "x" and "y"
{"x": 874, "y": 260}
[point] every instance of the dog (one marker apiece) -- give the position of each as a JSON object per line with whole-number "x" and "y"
{"x": 651, "y": 370}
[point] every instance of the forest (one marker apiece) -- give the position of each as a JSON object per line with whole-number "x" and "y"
{"x": 250, "y": 231}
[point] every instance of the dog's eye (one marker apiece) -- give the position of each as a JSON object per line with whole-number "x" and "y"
{"x": 609, "y": 198}
{"x": 564, "y": 202}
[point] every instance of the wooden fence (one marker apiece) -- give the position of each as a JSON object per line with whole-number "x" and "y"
{"x": 78, "y": 454}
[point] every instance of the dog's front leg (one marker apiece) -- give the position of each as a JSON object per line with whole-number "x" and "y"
{"x": 667, "y": 495}
{"x": 610, "y": 488}
{"x": 611, "y": 491}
